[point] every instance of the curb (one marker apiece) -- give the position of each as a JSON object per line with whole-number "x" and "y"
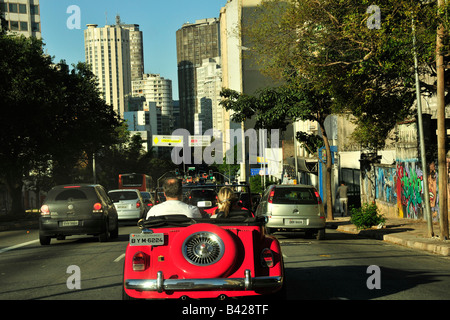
{"x": 431, "y": 245}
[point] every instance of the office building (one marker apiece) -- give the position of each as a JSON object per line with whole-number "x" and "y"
{"x": 209, "y": 85}
{"x": 22, "y": 17}
{"x": 195, "y": 42}
{"x": 155, "y": 88}
{"x": 107, "y": 50}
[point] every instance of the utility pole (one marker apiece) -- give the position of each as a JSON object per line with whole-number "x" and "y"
{"x": 426, "y": 193}
{"x": 442, "y": 132}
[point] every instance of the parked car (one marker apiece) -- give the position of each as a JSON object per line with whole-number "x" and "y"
{"x": 293, "y": 207}
{"x": 77, "y": 209}
{"x": 129, "y": 203}
{"x": 177, "y": 257}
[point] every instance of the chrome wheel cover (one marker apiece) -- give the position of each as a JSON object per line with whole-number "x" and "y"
{"x": 203, "y": 248}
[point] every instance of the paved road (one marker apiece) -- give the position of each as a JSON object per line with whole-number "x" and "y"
{"x": 336, "y": 268}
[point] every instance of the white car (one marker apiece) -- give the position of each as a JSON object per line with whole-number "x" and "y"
{"x": 129, "y": 203}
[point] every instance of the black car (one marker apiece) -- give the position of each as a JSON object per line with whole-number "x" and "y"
{"x": 78, "y": 209}
{"x": 202, "y": 197}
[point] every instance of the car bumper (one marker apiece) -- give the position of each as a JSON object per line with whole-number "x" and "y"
{"x": 53, "y": 227}
{"x": 224, "y": 284}
{"x": 292, "y": 222}
{"x": 128, "y": 214}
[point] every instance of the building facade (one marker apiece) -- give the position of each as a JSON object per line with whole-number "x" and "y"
{"x": 22, "y": 17}
{"x": 155, "y": 88}
{"x": 107, "y": 50}
{"x": 195, "y": 42}
{"x": 209, "y": 85}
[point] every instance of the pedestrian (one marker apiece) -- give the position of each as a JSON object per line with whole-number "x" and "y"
{"x": 343, "y": 199}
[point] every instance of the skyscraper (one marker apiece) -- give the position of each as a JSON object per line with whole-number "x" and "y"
{"x": 115, "y": 53}
{"x": 136, "y": 49}
{"x": 22, "y": 17}
{"x": 195, "y": 42}
{"x": 155, "y": 88}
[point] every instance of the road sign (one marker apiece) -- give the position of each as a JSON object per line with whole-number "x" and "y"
{"x": 199, "y": 141}
{"x": 167, "y": 141}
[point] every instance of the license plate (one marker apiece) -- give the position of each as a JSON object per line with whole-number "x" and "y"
{"x": 147, "y": 239}
{"x": 123, "y": 206}
{"x": 69, "y": 223}
{"x": 295, "y": 221}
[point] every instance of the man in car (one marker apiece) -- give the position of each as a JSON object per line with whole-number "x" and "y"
{"x": 172, "y": 188}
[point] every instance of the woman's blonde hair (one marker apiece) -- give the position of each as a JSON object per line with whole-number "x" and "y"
{"x": 225, "y": 200}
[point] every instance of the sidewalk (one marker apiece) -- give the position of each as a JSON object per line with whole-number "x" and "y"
{"x": 405, "y": 232}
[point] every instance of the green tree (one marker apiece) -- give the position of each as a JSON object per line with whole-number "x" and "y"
{"x": 368, "y": 72}
{"x": 51, "y": 116}
{"x": 332, "y": 61}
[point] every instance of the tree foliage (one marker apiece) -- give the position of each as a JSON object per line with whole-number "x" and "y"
{"x": 368, "y": 72}
{"x": 52, "y": 116}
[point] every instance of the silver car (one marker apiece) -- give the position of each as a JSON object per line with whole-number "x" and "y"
{"x": 293, "y": 207}
{"x": 129, "y": 203}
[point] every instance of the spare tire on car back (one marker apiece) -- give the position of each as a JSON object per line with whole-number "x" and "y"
{"x": 204, "y": 251}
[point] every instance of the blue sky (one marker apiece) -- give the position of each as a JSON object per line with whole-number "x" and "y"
{"x": 158, "y": 19}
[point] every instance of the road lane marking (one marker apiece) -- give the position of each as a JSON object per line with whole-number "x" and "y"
{"x": 18, "y": 246}
{"x": 120, "y": 257}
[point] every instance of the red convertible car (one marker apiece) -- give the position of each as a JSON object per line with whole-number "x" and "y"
{"x": 179, "y": 257}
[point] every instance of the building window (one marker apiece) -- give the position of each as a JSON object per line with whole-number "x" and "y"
{"x": 14, "y": 25}
{"x": 35, "y": 27}
{"x": 13, "y": 8}
{"x": 23, "y": 26}
{"x": 22, "y": 8}
{"x": 34, "y": 9}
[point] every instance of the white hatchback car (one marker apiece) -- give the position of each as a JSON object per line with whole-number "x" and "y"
{"x": 129, "y": 203}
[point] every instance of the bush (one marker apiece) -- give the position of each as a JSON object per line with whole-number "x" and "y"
{"x": 367, "y": 216}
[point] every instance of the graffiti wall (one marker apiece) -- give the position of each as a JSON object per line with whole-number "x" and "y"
{"x": 385, "y": 184}
{"x": 409, "y": 188}
{"x": 402, "y": 185}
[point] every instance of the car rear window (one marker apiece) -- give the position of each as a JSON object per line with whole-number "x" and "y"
{"x": 294, "y": 196}
{"x": 71, "y": 194}
{"x": 203, "y": 194}
{"x": 123, "y": 195}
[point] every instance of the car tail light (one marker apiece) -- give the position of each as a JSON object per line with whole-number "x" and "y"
{"x": 319, "y": 200}
{"x": 267, "y": 258}
{"x": 97, "y": 207}
{"x": 138, "y": 204}
{"x": 45, "y": 210}
{"x": 139, "y": 261}
{"x": 270, "y": 200}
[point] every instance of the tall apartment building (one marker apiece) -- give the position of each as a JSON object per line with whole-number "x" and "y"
{"x": 155, "y": 88}
{"x": 115, "y": 53}
{"x": 107, "y": 50}
{"x": 136, "y": 49}
{"x": 22, "y": 17}
{"x": 195, "y": 42}
{"x": 209, "y": 85}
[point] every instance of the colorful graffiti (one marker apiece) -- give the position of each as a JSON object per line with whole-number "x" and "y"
{"x": 385, "y": 184}
{"x": 403, "y": 185}
{"x": 410, "y": 186}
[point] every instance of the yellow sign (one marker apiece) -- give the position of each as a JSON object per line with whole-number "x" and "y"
{"x": 167, "y": 141}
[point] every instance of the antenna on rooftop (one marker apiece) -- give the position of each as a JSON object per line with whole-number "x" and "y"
{"x": 106, "y": 17}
